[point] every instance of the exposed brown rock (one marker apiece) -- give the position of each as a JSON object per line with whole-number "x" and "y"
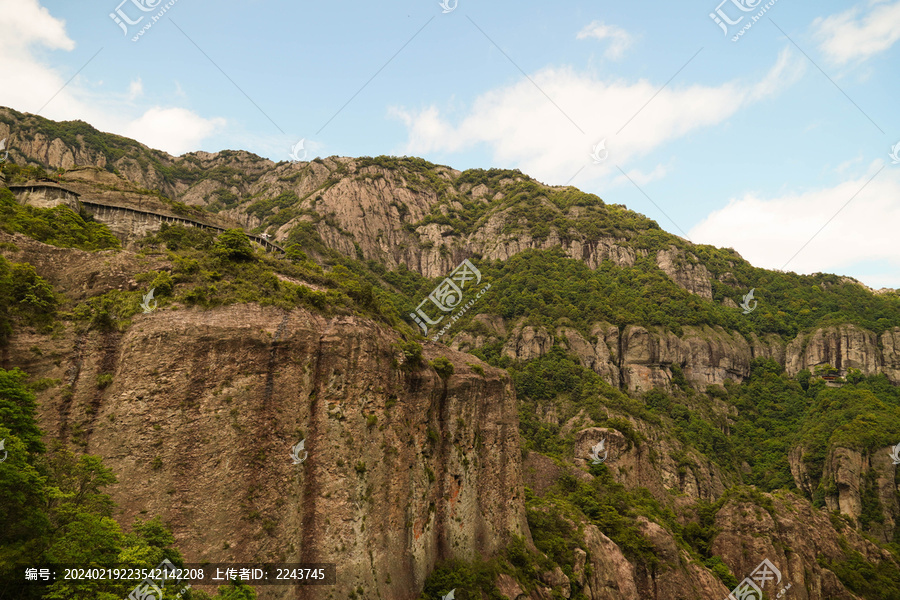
{"x": 220, "y": 397}
{"x": 684, "y": 270}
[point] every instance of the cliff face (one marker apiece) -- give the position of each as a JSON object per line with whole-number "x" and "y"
{"x": 751, "y": 527}
{"x": 403, "y": 468}
{"x": 641, "y": 358}
{"x": 854, "y": 479}
{"x": 396, "y": 217}
{"x": 794, "y": 537}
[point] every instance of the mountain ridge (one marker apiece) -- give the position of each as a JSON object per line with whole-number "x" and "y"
{"x": 732, "y": 437}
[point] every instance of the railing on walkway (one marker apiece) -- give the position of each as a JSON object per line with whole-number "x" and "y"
{"x": 97, "y": 207}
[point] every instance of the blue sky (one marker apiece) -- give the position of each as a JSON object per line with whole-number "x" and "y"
{"x": 777, "y": 144}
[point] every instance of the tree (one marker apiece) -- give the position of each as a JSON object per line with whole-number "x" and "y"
{"x": 295, "y": 253}
{"x": 443, "y": 367}
{"x": 54, "y": 510}
{"x": 233, "y": 244}
{"x": 855, "y": 375}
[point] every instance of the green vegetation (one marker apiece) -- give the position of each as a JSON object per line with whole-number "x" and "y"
{"x": 443, "y": 367}
{"x": 559, "y": 380}
{"x": 546, "y": 288}
{"x": 21, "y": 173}
{"x": 57, "y": 226}
{"x": 743, "y": 432}
{"x": 471, "y": 580}
{"x": 111, "y": 311}
{"x": 74, "y": 133}
{"x": 24, "y": 298}
{"x": 412, "y": 355}
{"x": 879, "y": 580}
{"x": 774, "y": 415}
{"x": 209, "y": 271}
{"x": 265, "y": 208}
{"x": 602, "y": 502}
{"x": 233, "y": 245}
{"x": 862, "y": 417}
{"x": 55, "y": 512}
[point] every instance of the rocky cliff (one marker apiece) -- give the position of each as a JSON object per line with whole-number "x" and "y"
{"x": 408, "y": 464}
{"x": 403, "y": 469}
{"x": 640, "y": 358}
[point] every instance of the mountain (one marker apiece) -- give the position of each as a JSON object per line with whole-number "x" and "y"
{"x": 604, "y": 411}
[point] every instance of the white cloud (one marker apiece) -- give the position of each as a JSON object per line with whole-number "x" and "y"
{"x": 135, "y": 89}
{"x": 620, "y": 39}
{"x": 525, "y": 129}
{"x": 852, "y": 162}
{"x": 26, "y": 22}
{"x": 175, "y": 130}
{"x": 640, "y": 178}
{"x": 29, "y": 84}
{"x": 858, "y": 35}
{"x": 768, "y": 231}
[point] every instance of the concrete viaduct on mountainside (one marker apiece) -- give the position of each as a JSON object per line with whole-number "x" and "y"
{"x": 124, "y": 221}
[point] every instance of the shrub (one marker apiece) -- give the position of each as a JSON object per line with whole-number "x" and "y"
{"x": 412, "y": 354}
{"x": 443, "y": 367}
{"x": 57, "y": 226}
{"x": 233, "y": 244}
